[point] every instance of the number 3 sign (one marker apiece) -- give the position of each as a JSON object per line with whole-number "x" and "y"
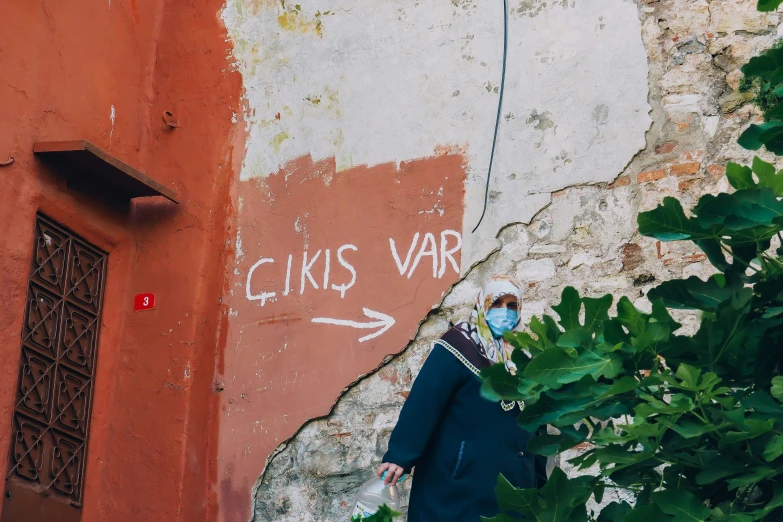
{"x": 144, "y": 302}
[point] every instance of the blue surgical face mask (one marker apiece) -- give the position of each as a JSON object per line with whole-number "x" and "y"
{"x": 501, "y": 320}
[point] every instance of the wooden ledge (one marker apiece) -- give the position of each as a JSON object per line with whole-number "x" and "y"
{"x": 83, "y": 162}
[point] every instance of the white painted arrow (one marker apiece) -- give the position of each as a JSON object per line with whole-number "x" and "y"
{"x": 384, "y": 322}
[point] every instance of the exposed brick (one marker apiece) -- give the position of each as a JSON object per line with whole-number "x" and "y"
{"x": 686, "y": 184}
{"x": 695, "y": 258}
{"x": 558, "y": 193}
{"x": 685, "y": 169}
{"x": 632, "y": 256}
{"x": 622, "y": 181}
{"x": 404, "y": 394}
{"x": 682, "y": 125}
{"x": 658, "y": 246}
{"x": 692, "y": 155}
{"x": 651, "y": 175}
{"x": 388, "y": 375}
{"x": 665, "y": 148}
{"x": 716, "y": 171}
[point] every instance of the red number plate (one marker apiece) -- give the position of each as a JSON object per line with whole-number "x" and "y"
{"x": 144, "y": 302}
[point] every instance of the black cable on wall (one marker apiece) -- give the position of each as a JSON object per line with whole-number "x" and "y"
{"x": 500, "y": 107}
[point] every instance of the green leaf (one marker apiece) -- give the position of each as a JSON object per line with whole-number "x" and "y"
{"x": 560, "y": 500}
{"x": 620, "y": 457}
{"x": 668, "y": 222}
{"x": 596, "y": 311}
{"x": 754, "y": 428}
{"x": 576, "y": 338}
{"x": 768, "y": 5}
{"x": 646, "y": 513}
{"x": 681, "y": 505}
{"x": 775, "y": 503}
{"x": 718, "y": 469}
{"x": 692, "y": 293}
{"x": 499, "y": 384}
{"x": 546, "y": 332}
{"x": 774, "y": 448}
{"x": 764, "y": 404}
{"x": 754, "y": 476}
{"x": 740, "y": 176}
{"x": 742, "y": 210}
{"x": 689, "y": 375}
{"x": 762, "y": 169}
{"x": 556, "y": 367}
{"x": 568, "y": 309}
{"x": 768, "y": 178}
{"x": 765, "y": 66}
{"x": 630, "y": 317}
{"x": 714, "y": 253}
{"x": 614, "y": 511}
{"x": 621, "y": 385}
{"x": 777, "y": 388}
{"x": 677, "y": 404}
{"x": 765, "y": 135}
{"x": 773, "y": 312}
{"x": 551, "y": 445}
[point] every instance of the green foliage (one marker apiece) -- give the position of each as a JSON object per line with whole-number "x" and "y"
{"x": 384, "y": 514}
{"x": 764, "y": 77}
{"x": 560, "y": 500}
{"x": 691, "y": 426}
{"x": 769, "y": 5}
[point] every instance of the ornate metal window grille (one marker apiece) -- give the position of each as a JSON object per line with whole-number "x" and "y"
{"x": 59, "y": 348}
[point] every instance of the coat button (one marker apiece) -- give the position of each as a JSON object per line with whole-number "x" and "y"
{"x": 521, "y": 454}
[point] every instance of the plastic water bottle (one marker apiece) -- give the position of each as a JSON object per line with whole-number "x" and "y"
{"x": 373, "y": 494}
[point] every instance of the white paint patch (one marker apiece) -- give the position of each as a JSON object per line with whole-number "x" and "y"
{"x": 391, "y": 80}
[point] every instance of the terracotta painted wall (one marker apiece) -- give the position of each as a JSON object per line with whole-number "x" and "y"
{"x": 105, "y": 71}
{"x": 333, "y": 272}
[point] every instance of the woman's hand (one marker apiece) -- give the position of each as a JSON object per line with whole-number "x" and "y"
{"x": 394, "y": 472}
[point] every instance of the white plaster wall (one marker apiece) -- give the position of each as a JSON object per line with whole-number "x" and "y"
{"x": 374, "y": 81}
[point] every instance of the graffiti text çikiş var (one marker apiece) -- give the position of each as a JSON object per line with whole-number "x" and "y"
{"x": 316, "y": 267}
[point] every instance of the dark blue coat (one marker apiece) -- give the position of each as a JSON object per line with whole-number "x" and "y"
{"x": 457, "y": 441}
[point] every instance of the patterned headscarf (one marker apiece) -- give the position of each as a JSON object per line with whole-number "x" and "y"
{"x": 476, "y": 328}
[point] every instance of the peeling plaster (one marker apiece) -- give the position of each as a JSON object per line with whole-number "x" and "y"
{"x": 386, "y": 76}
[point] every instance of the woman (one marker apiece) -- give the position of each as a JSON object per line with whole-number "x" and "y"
{"x": 458, "y": 441}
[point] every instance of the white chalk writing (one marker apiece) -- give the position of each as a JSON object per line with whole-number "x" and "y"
{"x": 442, "y": 257}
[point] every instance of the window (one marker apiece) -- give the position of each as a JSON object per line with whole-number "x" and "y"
{"x": 59, "y": 345}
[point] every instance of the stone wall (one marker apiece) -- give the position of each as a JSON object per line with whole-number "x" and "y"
{"x": 586, "y": 238}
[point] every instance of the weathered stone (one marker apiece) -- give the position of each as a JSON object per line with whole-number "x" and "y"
{"x": 547, "y": 249}
{"x": 582, "y": 259}
{"x": 733, "y": 101}
{"x": 740, "y": 15}
{"x": 535, "y": 270}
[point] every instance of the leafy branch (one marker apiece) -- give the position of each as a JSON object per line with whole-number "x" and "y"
{"x": 691, "y": 425}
